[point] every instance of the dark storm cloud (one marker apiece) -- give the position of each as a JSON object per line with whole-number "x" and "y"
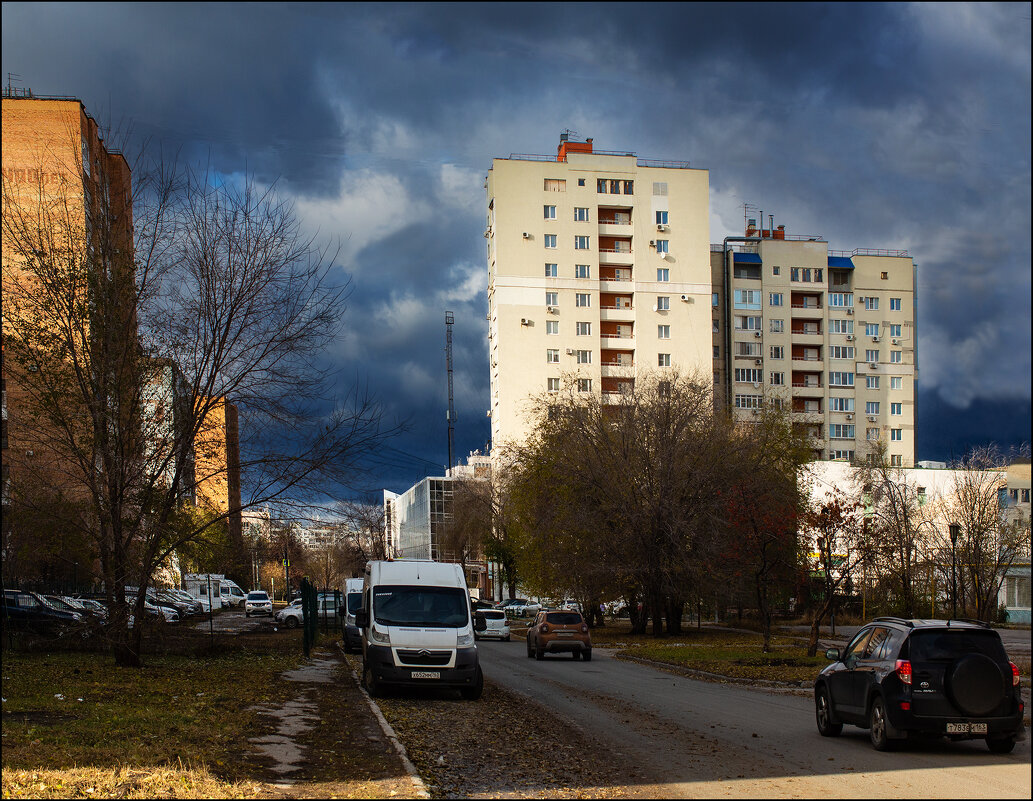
{"x": 876, "y": 125}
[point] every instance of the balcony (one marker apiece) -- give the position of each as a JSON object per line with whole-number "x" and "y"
{"x": 615, "y": 256}
{"x": 616, "y": 370}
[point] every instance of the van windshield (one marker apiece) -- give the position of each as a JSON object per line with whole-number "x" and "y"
{"x": 402, "y": 605}
{"x": 354, "y": 602}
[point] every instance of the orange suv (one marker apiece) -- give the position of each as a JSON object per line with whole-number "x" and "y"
{"x": 557, "y": 632}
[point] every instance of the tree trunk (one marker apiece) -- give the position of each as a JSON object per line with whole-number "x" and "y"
{"x": 675, "y": 611}
{"x": 656, "y": 611}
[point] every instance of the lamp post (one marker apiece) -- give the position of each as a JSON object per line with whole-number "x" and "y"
{"x": 955, "y": 532}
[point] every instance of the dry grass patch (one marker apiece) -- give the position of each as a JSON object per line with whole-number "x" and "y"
{"x": 124, "y": 782}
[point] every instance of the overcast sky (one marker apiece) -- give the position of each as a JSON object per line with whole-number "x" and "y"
{"x": 880, "y": 126}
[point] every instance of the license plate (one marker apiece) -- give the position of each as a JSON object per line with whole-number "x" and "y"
{"x": 966, "y": 728}
{"x": 426, "y": 674}
{"x": 565, "y": 633}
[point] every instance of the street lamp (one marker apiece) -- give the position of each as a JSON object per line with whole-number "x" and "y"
{"x": 955, "y": 532}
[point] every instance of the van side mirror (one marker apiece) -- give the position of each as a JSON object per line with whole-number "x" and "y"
{"x": 480, "y": 623}
{"x": 361, "y": 618}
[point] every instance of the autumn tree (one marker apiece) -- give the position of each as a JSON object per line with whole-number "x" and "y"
{"x": 365, "y": 530}
{"x": 214, "y": 276}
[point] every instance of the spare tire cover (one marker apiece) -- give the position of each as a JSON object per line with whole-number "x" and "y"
{"x": 975, "y": 684}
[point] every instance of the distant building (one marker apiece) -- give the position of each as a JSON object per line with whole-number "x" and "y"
{"x": 217, "y": 465}
{"x": 1015, "y": 592}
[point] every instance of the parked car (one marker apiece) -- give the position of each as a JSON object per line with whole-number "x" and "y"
{"x": 290, "y": 616}
{"x": 27, "y": 610}
{"x": 497, "y": 625}
{"x": 899, "y": 678}
{"x": 95, "y": 606}
{"x": 520, "y": 607}
{"x": 477, "y": 604}
{"x": 559, "y": 632}
{"x": 258, "y": 603}
{"x": 166, "y": 613}
{"x": 183, "y": 601}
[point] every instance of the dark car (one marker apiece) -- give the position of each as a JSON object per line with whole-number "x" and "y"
{"x": 900, "y": 678}
{"x": 27, "y": 610}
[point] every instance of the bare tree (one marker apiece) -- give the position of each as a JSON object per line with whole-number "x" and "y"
{"x": 215, "y": 278}
{"x": 365, "y": 529}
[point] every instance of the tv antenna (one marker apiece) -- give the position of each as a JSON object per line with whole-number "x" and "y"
{"x": 451, "y": 414}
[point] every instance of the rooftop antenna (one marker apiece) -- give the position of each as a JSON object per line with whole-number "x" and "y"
{"x": 451, "y": 414}
{"x": 569, "y": 133}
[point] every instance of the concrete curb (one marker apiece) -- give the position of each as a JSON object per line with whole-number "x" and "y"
{"x": 690, "y": 672}
{"x": 418, "y": 786}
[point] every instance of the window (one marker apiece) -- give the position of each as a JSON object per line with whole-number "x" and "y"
{"x": 584, "y": 357}
{"x": 777, "y": 379}
{"x": 552, "y": 327}
{"x": 550, "y": 212}
{"x": 747, "y": 299}
{"x": 615, "y": 187}
{"x": 775, "y": 270}
{"x": 551, "y": 271}
{"x": 714, "y": 299}
{"x": 749, "y": 401}
{"x": 896, "y": 409}
{"x": 871, "y": 329}
{"x": 894, "y": 329}
{"x": 871, "y": 382}
{"x": 1016, "y": 592}
{"x": 580, "y": 215}
{"x": 717, "y": 325}
{"x": 555, "y": 185}
{"x": 841, "y": 351}
{"x": 582, "y": 300}
{"x": 777, "y": 352}
{"x": 584, "y": 385}
{"x": 659, "y": 188}
{"x": 663, "y": 303}
{"x": 663, "y": 331}
{"x": 582, "y": 271}
{"x": 600, "y": 185}
{"x": 664, "y": 359}
{"x": 841, "y": 300}
{"x": 841, "y": 431}
{"x": 895, "y": 356}
{"x": 629, "y": 187}
{"x": 841, "y": 326}
{"x": 894, "y": 304}
{"x": 871, "y": 407}
{"x": 847, "y": 456}
{"x": 774, "y": 298}
{"x": 776, "y": 326}
{"x": 554, "y": 385}
{"x": 662, "y": 245}
{"x": 748, "y": 376}
{"x": 584, "y": 329}
{"x": 896, "y": 382}
{"x": 837, "y": 379}
{"x": 872, "y": 434}
{"x": 748, "y": 349}
{"x": 717, "y": 351}
{"x": 896, "y": 460}
{"x": 580, "y": 243}
{"x": 552, "y": 356}
{"x": 663, "y": 274}
{"x": 550, "y": 241}
{"x": 841, "y": 404}
{"x": 871, "y": 356}
{"x": 871, "y": 304}
{"x": 896, "y": 434}
{"x": 661, "y": 218}
{"x": 580, "y": 181}
{"x": 885, "y": 276}
{"x": 552, "y": 298}
{"x": 744, "y": 323}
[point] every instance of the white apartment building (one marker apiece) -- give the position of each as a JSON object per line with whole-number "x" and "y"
{"x": 831, "y": 334}
{"x": 598, "y": 269}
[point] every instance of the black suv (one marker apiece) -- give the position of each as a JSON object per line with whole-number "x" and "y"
{"x": 900, "y": 677}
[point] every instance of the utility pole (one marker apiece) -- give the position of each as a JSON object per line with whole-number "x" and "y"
{"x": 451, "y": 414}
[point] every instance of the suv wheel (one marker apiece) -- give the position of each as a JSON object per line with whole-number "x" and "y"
{"x": 877, "y": 726}
{"x": 539, "y": 653}
{"x": 823, "y": 714}
{"x": 1000, "y": 745}
{"x": 586, "y": 655}
{"x": 290, "y": 622}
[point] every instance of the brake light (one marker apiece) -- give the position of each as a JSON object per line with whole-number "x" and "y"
{"x": 905, "y": 705}
{"x": 903, "y": 669}
{"x": 545, "y": 628}
{"x": 1014, "y": 674}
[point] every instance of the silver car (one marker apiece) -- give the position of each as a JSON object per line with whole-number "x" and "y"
{"x": 258, "y": 603}
{"x": 498, "y": 625}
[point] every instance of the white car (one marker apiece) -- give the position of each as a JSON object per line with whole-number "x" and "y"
{"x": 498, "y": 625}
{"x": 258, "y": 603}
{"x": 291, "y": 616}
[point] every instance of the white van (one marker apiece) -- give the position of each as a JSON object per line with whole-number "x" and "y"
{"x": 417, "y": 627}
{"x": 205, "y": 587}
{"x": 353, "y": 603}
{"x": 231, "y": 593}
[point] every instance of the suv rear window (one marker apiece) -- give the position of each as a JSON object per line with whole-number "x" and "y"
{"x": 491, "y": 615}
{"x": 946, "y": 646}
{"x": 563, "y": 618}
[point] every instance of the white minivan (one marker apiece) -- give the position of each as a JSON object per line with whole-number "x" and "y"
{"x": 417, "y": 627}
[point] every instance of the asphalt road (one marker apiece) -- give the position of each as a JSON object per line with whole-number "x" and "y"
{"x": 701, "y": 739}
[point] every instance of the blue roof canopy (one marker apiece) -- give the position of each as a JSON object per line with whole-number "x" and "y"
{"x": 746, "y": 258}
{"x": 841, "y": 262}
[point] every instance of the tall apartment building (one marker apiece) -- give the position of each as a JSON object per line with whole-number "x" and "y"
{"x": 830, "y": 333}
{"x": 597, "y": 270}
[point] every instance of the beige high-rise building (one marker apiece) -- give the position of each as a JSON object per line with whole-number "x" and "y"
{"x": 830, "y": 333}
{"x": 598, "y": 269}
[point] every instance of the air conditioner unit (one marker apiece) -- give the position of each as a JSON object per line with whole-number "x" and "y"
{"x": 896, "y": 341}
{"x": 661, "y": 227}
{"x": 756, "y": 384}
{"x": 756, "y": 333}
{"x": 663, "y": 254}
{"x": 655, "y": 307}
{"x": 875, "y": 339}
{"x": 872, "y": 365}
{"x": 652, "y": 243}
{"x": 685, "y": 298}
{"x": 849, "y": 311}
{"x": 849, "y": 337}
{"x": 524, "y": 321}
{"x": 570, "y": 351}
{"x": 526, "y": 235}
{"x": 759, "y": 361}
{"x": 872, "y": 418}
{"x": 849, "y": 417}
